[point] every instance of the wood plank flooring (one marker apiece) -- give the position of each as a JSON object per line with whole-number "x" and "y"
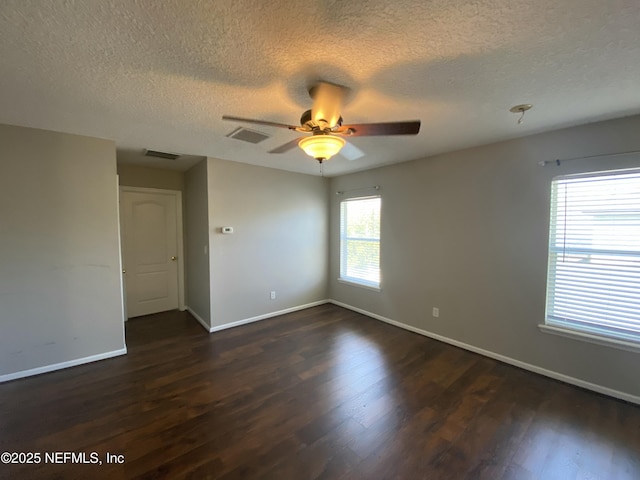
{"x": 323, "y": 393}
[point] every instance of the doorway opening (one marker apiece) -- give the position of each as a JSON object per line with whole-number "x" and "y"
{"x": 152, "y": 250}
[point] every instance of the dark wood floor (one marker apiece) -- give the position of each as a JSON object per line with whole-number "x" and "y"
{"x": 323, "y": 393}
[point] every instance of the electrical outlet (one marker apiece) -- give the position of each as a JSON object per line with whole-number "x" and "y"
{"x": 273, "y": 294}
{"x": 435, "y": 312}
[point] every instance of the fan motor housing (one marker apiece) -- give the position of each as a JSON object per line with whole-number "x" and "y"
{"x": 306, "y": 119}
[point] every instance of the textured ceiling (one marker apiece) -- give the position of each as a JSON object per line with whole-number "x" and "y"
{"x": 160, "y": 74}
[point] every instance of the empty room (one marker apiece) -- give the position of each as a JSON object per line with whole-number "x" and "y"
{"x": 320, "y": 240}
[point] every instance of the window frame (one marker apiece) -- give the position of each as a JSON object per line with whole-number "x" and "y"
{"x": 600, "y": 333}
{"x": 355, "y": 281}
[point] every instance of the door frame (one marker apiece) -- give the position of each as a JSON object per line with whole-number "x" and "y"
{"x": 180, "y": 234}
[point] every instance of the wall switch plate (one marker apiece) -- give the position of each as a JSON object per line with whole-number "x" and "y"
{"x": 273, "y": 294}
{"x": 435, "y": 312}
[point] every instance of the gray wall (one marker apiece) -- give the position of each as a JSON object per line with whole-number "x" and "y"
{"x": 467, "y": 232}
{"x": 196, "y": 223}
{"x": 60, "y": 278}
{"x": 280, "y": 240}
{"x": 147, "y": 177}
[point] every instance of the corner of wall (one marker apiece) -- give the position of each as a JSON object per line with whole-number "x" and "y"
{"x": 197, "y": 246}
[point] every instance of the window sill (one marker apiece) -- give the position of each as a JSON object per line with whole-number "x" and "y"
{"x": 361, "y": 285}
{"x": 598, "y": 339}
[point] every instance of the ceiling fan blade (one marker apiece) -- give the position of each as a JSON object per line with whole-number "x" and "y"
{"x": 285, "y": 147}
{"x": 388, "y": 128}
{"x": 351, "y": 152}
{"x": 259, "y": 122}
{"x": 327, "y": 103}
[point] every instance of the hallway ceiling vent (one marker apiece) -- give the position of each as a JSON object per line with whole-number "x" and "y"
{"x": 157, "y": 154}
{"x": 247, "y": 135}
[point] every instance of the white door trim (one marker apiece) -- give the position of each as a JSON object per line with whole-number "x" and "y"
{"x": 123, "y": 286}
{"x": 178, "y": 196}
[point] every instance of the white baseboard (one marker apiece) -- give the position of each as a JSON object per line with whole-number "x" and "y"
{"x": 198, "y": 318}
{"x": 496, "y": 356}
{"x": 60, "y": 366}
{"x": 266, "y": 315}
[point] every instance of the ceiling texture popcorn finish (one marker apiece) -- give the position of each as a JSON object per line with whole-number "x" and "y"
{"x": 160, "y": 75}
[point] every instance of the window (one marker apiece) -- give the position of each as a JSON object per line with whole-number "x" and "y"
{"x": 360, "y": 241}
{"x": 593, "y": 284}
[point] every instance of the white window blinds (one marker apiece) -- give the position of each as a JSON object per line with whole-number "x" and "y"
{"x": 360, "y": 240}
{"x": 594, "y": 254}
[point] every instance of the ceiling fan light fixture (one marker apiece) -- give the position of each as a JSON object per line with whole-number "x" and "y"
{"x": 321, "y": 147}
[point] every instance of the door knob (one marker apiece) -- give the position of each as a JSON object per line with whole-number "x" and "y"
{"x": 124, "y": 271}
{"x": 173, "y": 259}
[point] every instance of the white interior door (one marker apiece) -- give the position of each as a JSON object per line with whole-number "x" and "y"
{"x": 150, "y": 252}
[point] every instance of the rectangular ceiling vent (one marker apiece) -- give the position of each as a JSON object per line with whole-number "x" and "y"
{"x": 157, "y": 154}
{"x": 247, "y": 135}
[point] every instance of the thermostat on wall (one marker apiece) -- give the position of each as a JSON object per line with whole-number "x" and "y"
{"x": 227, "y": 230}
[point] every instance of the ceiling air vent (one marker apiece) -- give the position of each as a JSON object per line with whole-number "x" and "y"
{"x": 157, "y": 154}
{"x": 247, "y": 135}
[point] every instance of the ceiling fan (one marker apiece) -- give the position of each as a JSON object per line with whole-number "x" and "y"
{"x": 324, "y": 123}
